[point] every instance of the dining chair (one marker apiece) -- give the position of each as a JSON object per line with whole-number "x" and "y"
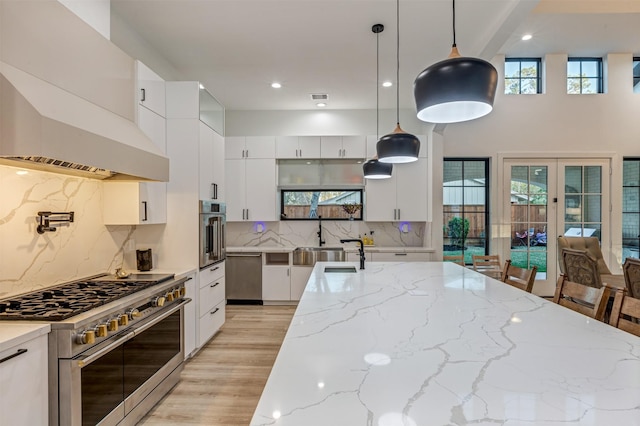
{"x": 457, "y": 259}
{"x": 519, "y": 277}
{"x": 631, "y": 270}
{"x": 488, "y": 265}
{"x": 589, "y": 244}
{"x": 581, "y": 298}
{"x": 625, "y": 313}
{"x": 581, "y": 267}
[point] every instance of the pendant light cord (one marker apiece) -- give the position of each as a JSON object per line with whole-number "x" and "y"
{"x": 398, "y": 63}
{"x": 378, "y": 85}
{"x": 454, "y": 23}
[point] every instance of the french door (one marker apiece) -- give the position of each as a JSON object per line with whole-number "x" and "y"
{"x": 545, "y": 198}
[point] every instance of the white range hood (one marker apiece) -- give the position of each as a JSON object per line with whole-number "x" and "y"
{"x": 45, "y": 127}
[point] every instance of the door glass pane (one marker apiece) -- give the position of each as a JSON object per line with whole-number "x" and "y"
{"x": 631, "y": 173}
{"x": 529, "y": 217}
{"x": 592, "y": 208}
{"x": 573, "y": 179}
{"x": 474, "y": 196}
{"x": 630, "y": 200}
{"x": 572, "y": 208}
{"x": 592, "y": 179}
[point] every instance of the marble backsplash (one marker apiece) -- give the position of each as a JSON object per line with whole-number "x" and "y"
{"x": 304, "y": 233}
{"x": 30, "y": 261}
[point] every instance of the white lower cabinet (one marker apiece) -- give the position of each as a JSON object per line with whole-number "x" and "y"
{"x": 24, "y": 376}
{"x": 299, "y": 278}
{"x": 191, "y": 315}
{"x": 276, "y": 283}
{"x": 211, "y": 301}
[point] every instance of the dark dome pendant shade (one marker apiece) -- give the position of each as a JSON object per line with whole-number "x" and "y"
{"x": 373, "y": 169}
{"x": 398, "y": 146}
{"x": 456, "y": 89}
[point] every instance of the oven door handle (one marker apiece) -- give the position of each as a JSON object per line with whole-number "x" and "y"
{"x": 85, "y": 360}
{"x": 164, "y": 315}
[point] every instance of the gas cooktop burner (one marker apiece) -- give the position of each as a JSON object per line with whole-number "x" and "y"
{"x": 66, "y": 300}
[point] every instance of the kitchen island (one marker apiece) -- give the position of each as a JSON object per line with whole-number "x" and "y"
{"x": 431, "y": 343}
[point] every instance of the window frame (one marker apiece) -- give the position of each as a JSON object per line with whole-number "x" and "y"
{"x": 599, "y": 78}
{"x": 538, "y": 76}
{"x": 487, "y": 196}
{"x": 359, "y": 215}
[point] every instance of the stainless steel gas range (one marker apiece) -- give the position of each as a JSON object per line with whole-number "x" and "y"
{"x": 116, "y": 345}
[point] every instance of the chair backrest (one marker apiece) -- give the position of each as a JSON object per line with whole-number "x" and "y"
{"x": 486, "y": 263}
{"x": 581, "y": 267}
{"x": 631, "y": 269}
{"x": 519, "y": 277}
{"x": 458, "y": 259}
{"x": 589, "y": 244}
{"x": 625, "y": 313}
{"x": 581, "y": 298}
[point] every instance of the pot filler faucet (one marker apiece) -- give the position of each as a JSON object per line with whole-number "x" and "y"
{"x": 320, "y": 240}
{"x": 360, "y": 250}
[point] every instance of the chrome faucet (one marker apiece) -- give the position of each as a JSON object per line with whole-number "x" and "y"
{"x": 321, "y": 241}
{"x": 360, "y": 250}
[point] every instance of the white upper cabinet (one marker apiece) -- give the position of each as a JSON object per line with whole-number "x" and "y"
{"x": 150, "y": 89}
{"x": 372, "y": 141}
{"x": 251, "y": 189}
{"x": 292, "y": 147}
{"x": 403, "y": 197}
{"x": 211, "y": 160}
{"x": 239, "y": 147}
{"x": 343, "y": 146}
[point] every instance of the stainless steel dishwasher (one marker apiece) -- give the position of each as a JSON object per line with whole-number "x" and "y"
{"x": 244, "y": 278}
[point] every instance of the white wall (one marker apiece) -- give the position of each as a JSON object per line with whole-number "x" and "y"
{"x": 96, "y": 13}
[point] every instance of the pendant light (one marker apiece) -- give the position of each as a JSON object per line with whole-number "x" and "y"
{"x": 374, "y": 169}
{"x": 399, "y": 146}
{"x": 456, "y": 89}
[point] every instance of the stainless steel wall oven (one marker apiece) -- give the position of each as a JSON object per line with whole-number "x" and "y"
{"x": 212, "y": 232}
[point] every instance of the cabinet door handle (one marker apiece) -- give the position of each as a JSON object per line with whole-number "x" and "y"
{"x": 247, "y": 214}
{"x": 288, "y": 272}
{"x": 215, "y": 310}
{"x": 398, "y": 214}
{"x": 400, "y": 254}
{"x": 144, "y": 95}
{"x": 144, "y": 219}
{"x": 190, "y": 278}
{"x": 214, "y": 269}
{"x": 214, "y": 285}
{"x": 247, "y": 153}
{"x": 18, "y": 353}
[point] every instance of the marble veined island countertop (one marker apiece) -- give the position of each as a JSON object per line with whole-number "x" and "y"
{"x": 432, "y": 343}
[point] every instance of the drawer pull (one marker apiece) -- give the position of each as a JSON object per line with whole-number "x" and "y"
{"x": 213, "y": 285}
{"x": 190, "y": 278}
{"x": 18, "y": 353}
{"x": 400, "y": 254}
{"x": 214, "y": 269}
{"x": 215, "y": 310}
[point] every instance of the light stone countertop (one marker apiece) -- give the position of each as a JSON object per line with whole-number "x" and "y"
{"x": 347, "y": 248}
{"x": 433, "y": 343}
{"x": 16, "y": 333}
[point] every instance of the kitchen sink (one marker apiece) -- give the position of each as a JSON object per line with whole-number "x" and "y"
{"x": 308, "y": 256}
{"x": 340, "y": 269}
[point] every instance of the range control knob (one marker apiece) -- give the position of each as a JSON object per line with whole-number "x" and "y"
{"x": 124, "y": 319}
{"x": 133, "y": 313}
{"x": 176, "y": 293}
{"x": 112, "y": 325}
{"x": 101, "y": 330}
{"x": 158, "y": 301}
{"x": 169, "y": 296}
{"x": 183, "y": 291}
{"x": 86, "y": 337}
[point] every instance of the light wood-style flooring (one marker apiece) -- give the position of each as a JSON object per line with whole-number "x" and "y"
{"x": 222, "y": 383}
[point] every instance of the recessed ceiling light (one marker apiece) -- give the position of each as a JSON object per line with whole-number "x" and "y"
{"x": 387, "y": 84}
{"x": 527, "y": 37}
{"x": 201, "y": 86}
{"x": 321, "y": 105}
{"x": 276, "y": 85}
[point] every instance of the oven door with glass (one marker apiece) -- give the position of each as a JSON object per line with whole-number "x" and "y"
{"x": 212, "y": 239}
{"x": 106, "y": 383}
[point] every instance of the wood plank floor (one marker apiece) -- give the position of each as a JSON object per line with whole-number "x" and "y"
{"x": 222, "y": 383}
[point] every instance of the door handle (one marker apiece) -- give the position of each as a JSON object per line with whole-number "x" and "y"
{"x": 144, "y": 95}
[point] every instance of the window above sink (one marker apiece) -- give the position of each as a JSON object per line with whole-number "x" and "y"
{"x": 338, "y": 204}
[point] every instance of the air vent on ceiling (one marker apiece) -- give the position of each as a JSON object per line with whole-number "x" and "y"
{"x": 319, "y": 96}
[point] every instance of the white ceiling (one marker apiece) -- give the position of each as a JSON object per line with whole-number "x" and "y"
{"x": 237, "y": 48}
